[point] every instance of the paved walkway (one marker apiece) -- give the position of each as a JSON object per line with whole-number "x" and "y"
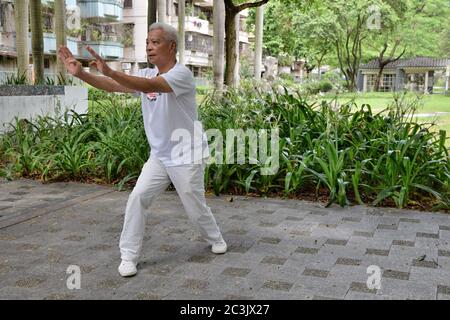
{"x": 279, "y": 249}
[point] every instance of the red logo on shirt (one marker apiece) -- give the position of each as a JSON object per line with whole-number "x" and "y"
{"x": 152, "y": 96}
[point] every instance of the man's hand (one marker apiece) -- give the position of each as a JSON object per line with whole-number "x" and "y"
{"x": 99, "y": 63}
{"x": 72, "y": 65}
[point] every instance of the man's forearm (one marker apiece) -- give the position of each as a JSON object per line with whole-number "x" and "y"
{"x": 100, "y": 82}
{"x": 131, "y": 82}
{"x": 140, "y": 84}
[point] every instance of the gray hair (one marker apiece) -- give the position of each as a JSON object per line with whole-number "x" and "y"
{"x": 170, "y": 33}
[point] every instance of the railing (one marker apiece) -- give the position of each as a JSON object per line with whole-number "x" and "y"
{"x": 109, "y": 9}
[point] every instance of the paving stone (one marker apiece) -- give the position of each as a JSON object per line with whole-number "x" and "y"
{"x": 378, "y": 252}
{"x": 387, "y": 226}
{"x": 443, "y": 290}
{"x": 201, "y": 259}
{"x": 336, "y": 242}
{"x": 290, "y": 218}
{"x": 348, "y": 261}
{"x": 444, "y": 253}
{"x": 278, "y": 285}
{"x": 361, "y": 287}
{"x": 425, "y": 264}
{"x": 427, "y": 235}
{"x": 400, "y": 275}
{"x": 236, "y": 272}
{"x": 195, "y": 284}
{"x": 305, "y": 250}
{"x": 363, "y": 234}
{"x": 403, "y": 243}
{"x": 408, "y": 220}
{"x": 270, "y": 240}
{"x": 315, "y": 273}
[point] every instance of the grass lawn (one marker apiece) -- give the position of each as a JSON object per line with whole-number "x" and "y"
{"x": 430, "y": 104}
{"x": 379, "y": 100}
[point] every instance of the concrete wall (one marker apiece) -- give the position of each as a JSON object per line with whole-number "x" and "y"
{"x": 29, "y": 101}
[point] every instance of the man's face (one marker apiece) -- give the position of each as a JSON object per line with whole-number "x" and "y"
{"x": 159, "y": 50}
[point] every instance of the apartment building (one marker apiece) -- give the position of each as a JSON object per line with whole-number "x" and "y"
{"x": 8, "y": 54}
{"x": 198, "y": 34}
{"x": 117, "y": 30}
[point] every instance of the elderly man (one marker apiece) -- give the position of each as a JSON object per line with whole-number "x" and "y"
{"x": 168, "y": 104}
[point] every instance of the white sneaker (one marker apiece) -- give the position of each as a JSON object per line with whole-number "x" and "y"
{"x": 127, "y": 268}
{"x": 219, "y": 247}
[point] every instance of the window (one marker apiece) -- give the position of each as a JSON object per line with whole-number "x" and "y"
{"x": 128, "y": 4}
{"x": 387, "y": 82}
{"x": 46, "y": 63}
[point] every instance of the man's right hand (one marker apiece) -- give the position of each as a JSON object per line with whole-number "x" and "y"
{"x": 73, "y": 66}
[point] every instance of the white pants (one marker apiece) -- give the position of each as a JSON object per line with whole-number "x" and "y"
{"x": 153, "y": 180}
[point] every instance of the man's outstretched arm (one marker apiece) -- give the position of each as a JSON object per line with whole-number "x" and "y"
{"x": 74, "y": 67}
{"x": 140, "y": 84}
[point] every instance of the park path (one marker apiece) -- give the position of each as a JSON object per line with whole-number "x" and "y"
{"x": 279, "y": 249}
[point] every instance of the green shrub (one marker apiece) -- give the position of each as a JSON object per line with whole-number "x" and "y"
{"x": 325, "y": 86}
{"x": 350, "y": 154}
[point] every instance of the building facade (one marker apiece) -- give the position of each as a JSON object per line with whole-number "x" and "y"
{"x": 117, "y": 30}
{"x": 415, "y": 74}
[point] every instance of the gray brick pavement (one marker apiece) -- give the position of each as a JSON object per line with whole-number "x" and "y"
{"x": 278, "y": 249}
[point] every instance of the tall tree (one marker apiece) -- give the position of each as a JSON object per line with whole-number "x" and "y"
{"x": 181, "y": 32}
{"x": 219, "y": 44}
{"x": 151, "y": 18}
{"x": 21, "y": 26}
{"x": 151, "y": 12}
{"x": 258, "y": 41}
{"x": 162, "y": 7}
{"x": 384, "y": 60}
{"x": 37, "y": 41}
{"x": 60, "y": 30}
{"x": 231, "y": 40}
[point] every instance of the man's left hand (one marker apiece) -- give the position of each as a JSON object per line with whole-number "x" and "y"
{"x": 99, "y": 63}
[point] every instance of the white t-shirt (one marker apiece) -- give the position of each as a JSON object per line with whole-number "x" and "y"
{"x": 175, "y": 135}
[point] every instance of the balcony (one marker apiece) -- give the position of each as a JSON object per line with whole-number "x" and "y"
{"x": 69, "y": 3}
{"x": 204, "y": 3}
{"x": 106, "y": 49}
{"x": 50, "y": 44}
{"x": 197, "y": 58}
{"x": 109, "y": 10}
{"x": 193, "y": 24}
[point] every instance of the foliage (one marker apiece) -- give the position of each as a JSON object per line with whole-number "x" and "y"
{"x": 346, "y": 152}
{"x": 16, "y": 79}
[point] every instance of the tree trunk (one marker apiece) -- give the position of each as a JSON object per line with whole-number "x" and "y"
{"x": 258, "y": 41}
{"x": 60, "y": 30}
{"x": 21, "y": 26}
{"x": 181, "y": 32}
{"x": 219, "y": 43}
{"x": 37, "y": 41}
{"x": 382, "y": 63}
{"x": 230, "y": 32}
{"x": 151, "y": 18}
{"x": 236, "y": 69}
{"x": 151, "y": 13}
{"x": 162, "y": 7}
